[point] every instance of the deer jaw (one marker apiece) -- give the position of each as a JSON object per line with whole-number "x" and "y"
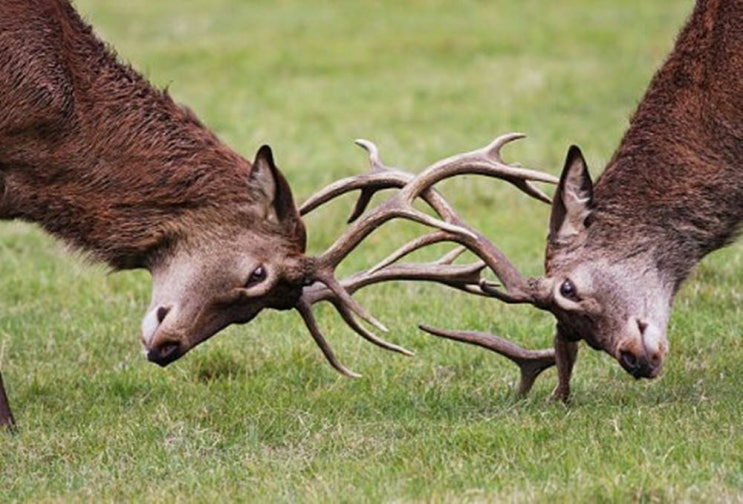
{"x": 615, "y": 296}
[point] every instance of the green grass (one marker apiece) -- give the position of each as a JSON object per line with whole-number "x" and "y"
{"x": 255, "y": 414}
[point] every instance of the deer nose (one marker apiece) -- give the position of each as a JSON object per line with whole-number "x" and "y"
{"x": 632, "y": 363}
{"x": 152, "y": 322}
{"x": 165, "y": 352}
{"x": 638, "y": 365}
{"x": 161, "y": 349}
{"x": 643, "y": 357}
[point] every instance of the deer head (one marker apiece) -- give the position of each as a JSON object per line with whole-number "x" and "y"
{"x": 608, "y": 291}
{"x": 227, "y": 272}
{"x": 258, "y": 263}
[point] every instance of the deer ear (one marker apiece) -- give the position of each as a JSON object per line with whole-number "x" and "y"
{"x": 573, "y": 199}
{"x": 262, "y": 182}
{"x": 273, "y": 195}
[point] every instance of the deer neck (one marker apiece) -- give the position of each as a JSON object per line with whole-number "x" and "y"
{"x": 676, "y": 180}
{"x": 108, "y": 163}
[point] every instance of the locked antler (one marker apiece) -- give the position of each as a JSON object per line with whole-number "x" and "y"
{"x": 448, "y": 226}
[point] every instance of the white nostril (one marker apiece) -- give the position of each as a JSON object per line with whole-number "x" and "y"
{"x": 151, "y": 322}
{"x": 655, "y": 342}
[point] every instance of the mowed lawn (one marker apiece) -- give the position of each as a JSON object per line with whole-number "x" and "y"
{"x": 255, "y": 414}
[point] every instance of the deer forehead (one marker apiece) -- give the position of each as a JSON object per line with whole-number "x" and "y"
{"x": 625, "y": 289}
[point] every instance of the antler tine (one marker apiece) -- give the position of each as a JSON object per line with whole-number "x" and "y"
{"x": 375, "y": 160}
{"x": 344, "y": 297}
{"x": 309, "y": 320}
{"x": 531, "y": 363}
{"x": 375, "y": 166}
{"x": 453, "y": 255}
{"x": 347, "y": 315}
{"x": 417, "y": 244}
{"x": 532, "y": 190}
{"x": 377, "y": 178}
{"x": 485, "y": 161}
{"x": 494, "y": 147}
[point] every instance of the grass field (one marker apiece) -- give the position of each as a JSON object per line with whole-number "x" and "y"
{"x": 255, "y": 415}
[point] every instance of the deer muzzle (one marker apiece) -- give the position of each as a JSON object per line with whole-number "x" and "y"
{"x": 643, "y": 353}
{"x": 161, "y": 350}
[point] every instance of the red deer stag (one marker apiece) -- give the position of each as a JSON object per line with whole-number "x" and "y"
{"x": 671, "y": 194}
{"x": 619, "y": 250}
{"x": 96, "y": 156}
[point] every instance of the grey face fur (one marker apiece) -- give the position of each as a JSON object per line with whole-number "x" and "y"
{"x": 614, "y": 295}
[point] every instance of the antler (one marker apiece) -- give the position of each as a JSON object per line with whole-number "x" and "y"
{"x": 531, "y": 363}
{"x": 449, "y": 227}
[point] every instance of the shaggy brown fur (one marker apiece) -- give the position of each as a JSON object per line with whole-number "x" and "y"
{"x": 680, "y": 164}
{"x": 96, "y": 155}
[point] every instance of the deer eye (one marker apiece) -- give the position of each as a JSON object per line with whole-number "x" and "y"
{"x": 568, "y": 290}
{"x": 257, "y": 276}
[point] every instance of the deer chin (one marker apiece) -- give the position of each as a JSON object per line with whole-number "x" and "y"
{"x": 643, "y": 351}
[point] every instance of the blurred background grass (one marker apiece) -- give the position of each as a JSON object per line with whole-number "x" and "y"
{"x": 255, "y": 414}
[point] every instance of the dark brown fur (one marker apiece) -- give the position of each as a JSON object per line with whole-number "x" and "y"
{"x": 95, "y": 154}
{"x": 677, "y": 177}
